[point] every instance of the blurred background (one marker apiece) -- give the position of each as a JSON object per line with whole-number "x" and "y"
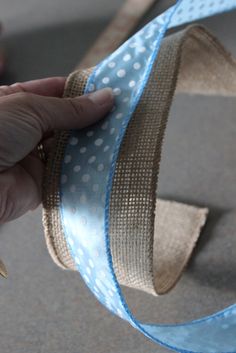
{"x": 44, "y": 309}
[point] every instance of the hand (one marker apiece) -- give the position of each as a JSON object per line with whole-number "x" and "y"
{"x": 29, "y": 113}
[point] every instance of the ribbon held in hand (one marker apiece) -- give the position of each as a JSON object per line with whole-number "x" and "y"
{"x": 101, "y": 214}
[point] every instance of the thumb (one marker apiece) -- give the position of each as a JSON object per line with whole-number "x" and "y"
{"x": 25, "y": 119}
{"x": 74, "y": 113}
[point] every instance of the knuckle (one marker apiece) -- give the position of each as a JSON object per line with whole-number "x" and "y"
{"x": 16, "y": 87}
{"x": 78, "y": 107}
{"x": 4, "y": 91}
{"x": 22, "y": 97}
{"x": 9, "y": 90}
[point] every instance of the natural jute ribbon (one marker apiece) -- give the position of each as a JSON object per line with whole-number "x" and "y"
{"x": 151, "y": 241}
{"x": 119, "y": 232}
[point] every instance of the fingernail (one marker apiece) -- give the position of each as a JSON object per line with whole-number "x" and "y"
{"x": 101, "y": 97}
{"x": 3, "y": 270}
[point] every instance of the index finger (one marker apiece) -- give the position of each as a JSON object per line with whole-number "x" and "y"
{"x": 52, "y": 86}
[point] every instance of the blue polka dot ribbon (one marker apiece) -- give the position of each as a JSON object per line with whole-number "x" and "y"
{"x": 87, "y": 176}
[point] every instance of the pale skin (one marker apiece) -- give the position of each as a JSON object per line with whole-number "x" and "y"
{"x": 29, "y": 114}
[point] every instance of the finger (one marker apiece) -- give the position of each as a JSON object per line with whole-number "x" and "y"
{"x": 75, "y": 113}
{"x": 20, "y": 189}
{"x": 25, "y": 119}
{"x": 52, "y": 86}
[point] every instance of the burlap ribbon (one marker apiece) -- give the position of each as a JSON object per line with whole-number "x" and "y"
{"x": 151, "y": 241}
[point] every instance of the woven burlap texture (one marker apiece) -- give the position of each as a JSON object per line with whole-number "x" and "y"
{"x": 151, "y": 240}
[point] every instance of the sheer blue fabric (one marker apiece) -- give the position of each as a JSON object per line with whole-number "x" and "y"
{"x": 87, "y": 174}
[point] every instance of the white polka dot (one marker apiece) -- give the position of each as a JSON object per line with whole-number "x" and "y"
{"x": 77, "y": 260}
{"x": 109, "y": 306}
{"x": 86, "y": 278}
{"x": 90, "y": 133}
{"x": 111, "y": 286}
{"x": 72, "y": 188}
{"x": 98, "y": 71}
{"x": 132, "y": 84}
{"x": 74, "y": 141}
{"x": 106, "y": 148}
{"x": 83, "y": 199}
{"x": 98, "y": 282}
{"x": 127, "y": 57}
{"x": 111, "y": 293}
{"x": 120, "y": 313}
{"x": 77, "y": 168}
{"x": 121, "y": 73}
{"x": 92, "y": 160}
{"x": 91, "y": 264}
{"x": 100, "y": 167}
{"x": 105, "y": 80}
{"x": 67, "y": 159}
{"x": 126, "y": 99}
{"x": 65, "y": 221}
{"x": 104, "y": 125}
{"x": 117, "y": 91}
{"x": 149, "y": 35}
{"x": 112, "y": 64}
{"x": 142, "y": 49}
{"x": 64, "y": 179}
{"x": 83, "y": 150}
{"x": 86, "y": 178}
{"x": 137, "y": 66}
{"x": 88, "y": 270}
{"x": 95, "y": 187}
{"x": 98, "y": 142}
{"x": 80, "y": 251}
{"x": 119, "y": 116}
{"x": 133, "y": 45}
{"x": 95, "y": 289}
{"x": 112, "y": 131}
{"x": 91, "y": 87}
{"x": 71, "y": 241}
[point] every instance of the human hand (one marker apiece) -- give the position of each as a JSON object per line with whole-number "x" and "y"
{"x": 29, "y": 113}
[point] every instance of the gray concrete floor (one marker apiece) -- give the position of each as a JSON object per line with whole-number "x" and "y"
{"x": 46, "y": 310}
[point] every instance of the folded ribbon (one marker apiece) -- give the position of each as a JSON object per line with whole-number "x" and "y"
{"x": 100, "y": 211}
